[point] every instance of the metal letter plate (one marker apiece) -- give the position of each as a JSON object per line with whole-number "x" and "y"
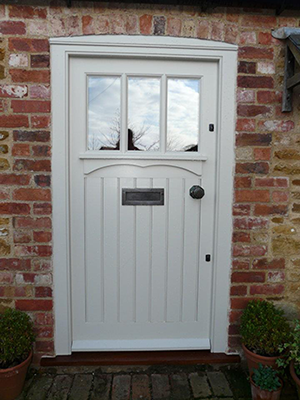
{"x": 143, "y": 197}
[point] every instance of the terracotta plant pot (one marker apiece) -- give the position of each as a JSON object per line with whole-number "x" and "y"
{"x": 12, "y": 380}
{"x": 259, "y": 394}
{"x": 254, "y": 360}
{"x": 295, "y": 377}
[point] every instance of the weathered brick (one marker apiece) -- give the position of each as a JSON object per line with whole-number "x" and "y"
{"x": 33, "y": 223}
{"x": 14, "y": 121}
{"x": 36, "y": 76}
{"x": 43, "y": 291}
{"x": 253, "y": 139}
{"x": 264, "y": 263}
{"x": 242, "y": 181}
{"x": 13, "y": 91}
{"x": 245, "y": 125}
{"x": 19, "y": 11}
{"x": 238, "y": 290}
{"x": 255, "y": 82}
{"x": 253, "y": 110}
{"x": 146, "y": 24}
{"x": 30, "y": 106}
{"x": 30, "y": 45}
{"x": 159, "y": 24}
{"x": 261, "y": 154}
{"x": 42, "y": 208}
{"x": 32, "y": 165}
{"x": 21, "y": 149}
{"x": 14, "y": 208}
{"x": 34, "y": 305}
{"x": 252, "y": 168}
{"x": 31, "y": 136}
{"x": 259, "y": 21}
{"x": 266, "y": 289}
{"x": 32, "y": 194}
{"x": 246, "y": 67}
{"x": 271, "y": 182}
{"x": 33, "y": 251}
{"x": 42, "y": 180}
{"x": 14, "y": 179}
{"x": 238, "y": 277}
{"x": 12, "y": 28}
{"x": 242, "y": 237}
{"x": 255, "y": 53}
{"x": 265, "y": 209}
{"x": 42, "y": 237}
{"x": 40, "y": 61}
{"x": 40, "y": 121}
{"x": 248, "y": 196}
{"x": 174, "y": 26}
{"x": 14, "y": 264}
{"x": 41, "y": 151}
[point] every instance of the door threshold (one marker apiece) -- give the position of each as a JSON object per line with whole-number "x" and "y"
{"x": 184, "y": 357}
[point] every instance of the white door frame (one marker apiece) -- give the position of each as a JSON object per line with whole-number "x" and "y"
{"x": 157, "y": 47}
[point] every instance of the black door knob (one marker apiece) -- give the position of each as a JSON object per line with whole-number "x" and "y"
{"x": 197, "y": 192}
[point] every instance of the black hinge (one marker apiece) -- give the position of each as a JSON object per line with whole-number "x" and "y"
{"x": 211, "y": 127}
{"x": 207, "y": 257}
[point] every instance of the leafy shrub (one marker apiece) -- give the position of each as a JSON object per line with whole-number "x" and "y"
{"x": 266, "y": 378}
{"x": 292, "y": 347}
{"x": 16, "y": 337}
{"x": 264, "y": 328}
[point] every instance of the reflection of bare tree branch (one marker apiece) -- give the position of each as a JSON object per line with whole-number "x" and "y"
{"x": 111, "y": 140}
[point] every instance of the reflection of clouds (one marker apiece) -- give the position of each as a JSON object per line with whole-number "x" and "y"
{"x": 183, "y": 113}
{"x": 143, "y": 110}
{"x": 104, "y": 104}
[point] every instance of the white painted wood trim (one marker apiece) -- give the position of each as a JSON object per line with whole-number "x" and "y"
{"x": 138, "y": 46}
{"x": 141, "y": 345}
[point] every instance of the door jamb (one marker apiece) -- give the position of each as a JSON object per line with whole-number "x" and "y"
{"x": 157, "y": 47}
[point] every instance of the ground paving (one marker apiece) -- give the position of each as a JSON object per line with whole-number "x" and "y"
{"x": 226, "y": 382}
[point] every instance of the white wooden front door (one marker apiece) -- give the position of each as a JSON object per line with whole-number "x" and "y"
{"x": 141, "y": 275}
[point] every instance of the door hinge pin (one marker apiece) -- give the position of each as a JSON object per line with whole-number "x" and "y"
{"x": 211, "y": 127}
{"x": 207, "y": 257}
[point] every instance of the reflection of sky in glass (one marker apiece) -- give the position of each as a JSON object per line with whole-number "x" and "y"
{"x": 143, "y": 112}
{"x": 183, "y": 114}
{"x": 103, "y": 112}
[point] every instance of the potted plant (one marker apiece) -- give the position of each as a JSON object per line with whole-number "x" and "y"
{"x": 265, "y": 384}
{"x": 291, "y": 350}
{"x": 264, "y": 329}
{"x": 16, "y": 339}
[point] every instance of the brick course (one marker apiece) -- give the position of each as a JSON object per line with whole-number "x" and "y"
{"x": 267, "y": 175}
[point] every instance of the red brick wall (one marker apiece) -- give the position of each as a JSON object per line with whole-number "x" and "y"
{"x": 267, "y": 181}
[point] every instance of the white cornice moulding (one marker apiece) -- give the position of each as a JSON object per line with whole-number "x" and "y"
{"x": 143, "y": 41}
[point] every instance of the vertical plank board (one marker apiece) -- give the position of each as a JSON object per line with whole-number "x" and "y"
{"x": 191, "y": 253}
{"x": 111, "y": 249}
{"x": 175, "y": 249}
{"x": 93, "y": 223}
{"x": 159, "y": 257}
{"x": 127, "y": 256}
{"x": 143, "y": 255}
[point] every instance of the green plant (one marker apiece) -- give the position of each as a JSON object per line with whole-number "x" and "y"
{"x": 292, "y": 348}
{"x": 264, "y": 328}
{"x": 266, "y": 378}
{"x": 16, "y": 337}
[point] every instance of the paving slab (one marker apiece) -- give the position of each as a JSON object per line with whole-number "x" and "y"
{"x": 219, "y": 384}
{"x": 121, "y": 387}
{"x": 160, "y": 386}
{"x": 180, "y": 387}
{"x": 81, "y": 387}
{"x": 141, "y": 387}
{"x": 60, "y": 387}
{"x": 238, "y": 382}
{"x": 101, "y": 387}
{"x": 40, "y": 388}
{"x": 199, "y": 384}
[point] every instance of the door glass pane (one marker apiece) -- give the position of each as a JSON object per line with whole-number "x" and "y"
{"x": 104, "y": 98}
{"x": 183, "y": 114}
{"x": 143, "y": 113}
